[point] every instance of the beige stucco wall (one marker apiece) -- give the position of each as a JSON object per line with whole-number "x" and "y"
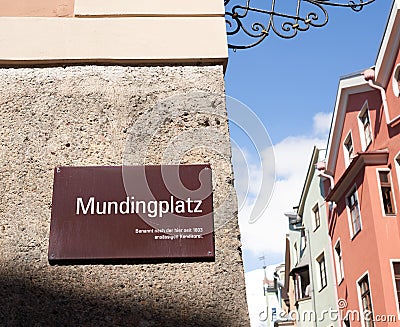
{"x": 150, "y": 7}
{"x": 70, "y": 8}
{"x": 83, "y": 116}
{"x": 135, "y": 40}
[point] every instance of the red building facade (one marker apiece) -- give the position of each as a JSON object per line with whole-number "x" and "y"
{"x": 363, "y": 158}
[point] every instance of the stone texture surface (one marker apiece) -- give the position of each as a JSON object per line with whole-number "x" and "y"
{"x": 96, "y": 115}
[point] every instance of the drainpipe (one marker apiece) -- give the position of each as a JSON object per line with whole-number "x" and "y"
{"x": 369, "y": 76}
{"x": 321, "y": 167}
{"x": 332, "y": 207}
{"x": 324, "y": 174}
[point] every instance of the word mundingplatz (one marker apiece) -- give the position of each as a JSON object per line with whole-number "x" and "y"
{"x": 152, "y": 208}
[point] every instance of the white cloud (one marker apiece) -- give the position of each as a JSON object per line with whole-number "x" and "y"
{"x": 322, "y": 123}
{"x": 267, "y": 234}
{"x": 293, "y": 155}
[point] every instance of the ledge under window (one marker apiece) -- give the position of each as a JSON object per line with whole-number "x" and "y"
{"x": 362, "y": 159}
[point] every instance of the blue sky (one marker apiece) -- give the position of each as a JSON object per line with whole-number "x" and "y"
{"x": 298, "y": 77}
{"x": 291, "y": 85}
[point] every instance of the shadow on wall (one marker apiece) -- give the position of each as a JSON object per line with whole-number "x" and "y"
{"x": 24, "y": 303}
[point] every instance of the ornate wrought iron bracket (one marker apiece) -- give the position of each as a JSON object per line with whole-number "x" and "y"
{"x": 255, "y": 24}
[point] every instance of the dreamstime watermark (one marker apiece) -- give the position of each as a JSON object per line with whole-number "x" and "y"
{"x": 366, "y": 315}
{"x": 193, "y": 128}
{"x": 330, "y": 315}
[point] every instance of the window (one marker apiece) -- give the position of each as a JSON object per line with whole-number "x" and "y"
{"x": 365, "y": 127}
{"x": 302, "y": 283}
{"x": 339, "y": 262}
{"x": 349, "y": 149}
{"x": 396, "y": 270}
{"x": 322, "y": 271}
{"x": 397, "y": 164}
{"x": 386, "y": 192}
{"x": 355, "y": 218}
{"x": 317, "y": 217}
{"x": 396, "y": 81}
{"x": 303, "y": 241}
{"x": 366, "y": 302}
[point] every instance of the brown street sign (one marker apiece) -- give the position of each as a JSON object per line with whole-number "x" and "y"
{"x": 131, "y": 214}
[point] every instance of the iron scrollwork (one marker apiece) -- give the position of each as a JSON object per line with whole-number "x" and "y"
{"x": 285, "y": 25}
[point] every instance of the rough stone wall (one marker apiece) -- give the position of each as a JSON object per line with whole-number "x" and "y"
{"x": 83, "y": 116}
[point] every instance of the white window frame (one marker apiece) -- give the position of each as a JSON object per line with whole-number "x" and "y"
{"x": 353, "y": 190}
{"x": 364, "y": 110}
{"x": 339, "y": 267}
{"x": 395, "y": 81}
{"x": 347, "y": 157}
{"x": 394, "y": 285}
{"x": 397, "y": 165}
{"x": 318, "y": 271}
{"x": 384, "y": 214}
{"x": 360, "y": 300}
